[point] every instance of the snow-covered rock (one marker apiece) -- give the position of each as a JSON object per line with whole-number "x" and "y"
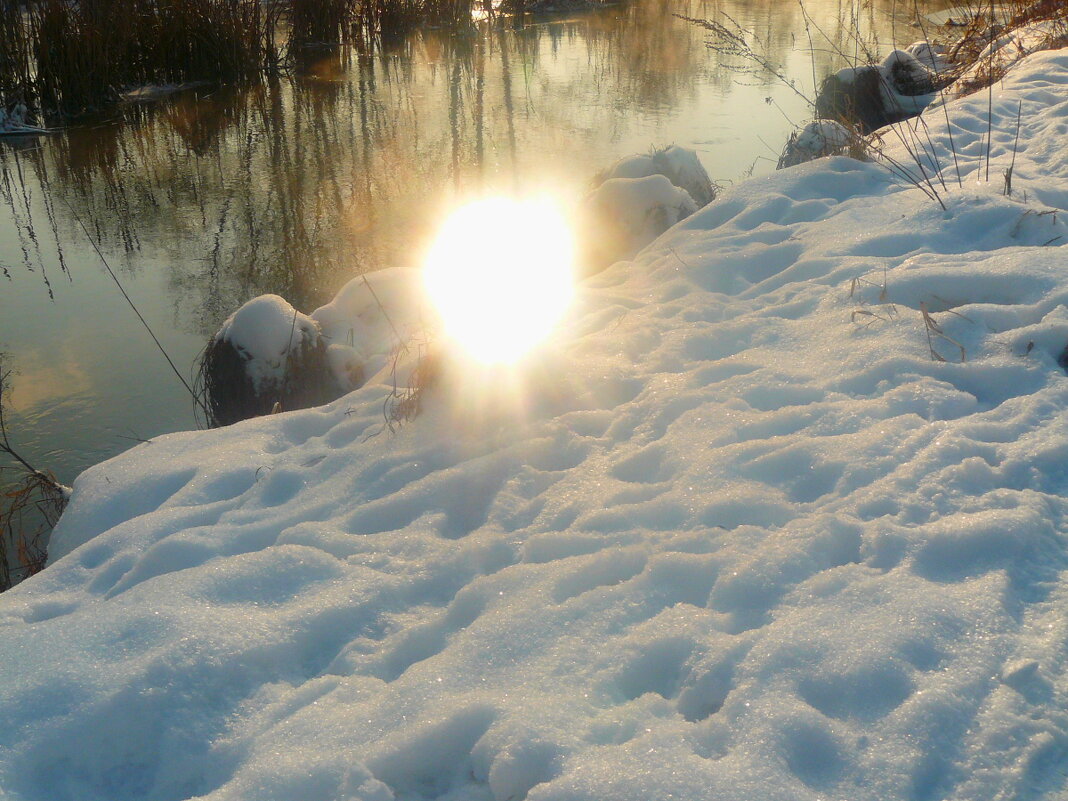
{"x": 877, "y": 95}
{"x": 623, "y": 215}
{"x": 266, "y": 356}
{"x": 266, "y": 331}
{"x": 931, "y": 56}
{"x": 817, "y": 139}
{"x": 679, "y": 165}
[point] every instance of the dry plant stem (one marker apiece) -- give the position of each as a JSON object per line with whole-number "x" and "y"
{"x": 285, "y": 372}
{"x": 932, "y": 152}
{"x": 385, "y": 314}
{"x": 933, "y": 328}
{"x": 811, "y": 47}
{"x": 932, "y": 191}
{"x": 732, "y": 43}
{"x": 859, "y": 46}
{"x": 5, "y": 441}
{"x": 196, "y": 400}
{"x": 37, "y": 491}
{"x": 897, "y": 168}
{"x": 941, "y": 97}
{"x": 1015, "y": 146}
{"x": 990, "y": 96}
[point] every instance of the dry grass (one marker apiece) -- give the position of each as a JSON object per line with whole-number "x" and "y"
{"x": 30, "y": 506}
{"x": 986, "y": 24}
{"x": 84, "y": 53}
{"x": 935, "y": 333}
{"x": 405, "y": 403}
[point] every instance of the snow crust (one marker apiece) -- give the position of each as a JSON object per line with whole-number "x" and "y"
{"x": 734, "y": 534}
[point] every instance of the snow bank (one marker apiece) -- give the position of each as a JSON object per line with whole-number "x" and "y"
{"x": 734, "y": 534}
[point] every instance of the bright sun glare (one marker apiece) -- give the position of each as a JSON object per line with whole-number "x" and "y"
{"x": 500, "y": 275}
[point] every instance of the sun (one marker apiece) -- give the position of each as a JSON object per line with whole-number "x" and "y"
{"x": 501, "y": 275}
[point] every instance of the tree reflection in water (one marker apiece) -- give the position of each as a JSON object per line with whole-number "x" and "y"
{"x": 294, "y": 185}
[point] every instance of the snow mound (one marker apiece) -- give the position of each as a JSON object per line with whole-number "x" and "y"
{"x": 679, "y": 165}
{"x": 734, "y": 534}
{"x": 623, "y": 215}
{"x": 369, "y": 319}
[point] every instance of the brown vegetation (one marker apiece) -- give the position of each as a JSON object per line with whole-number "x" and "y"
{"x": 69, "y": 56}
{"x": 30, "y": 506}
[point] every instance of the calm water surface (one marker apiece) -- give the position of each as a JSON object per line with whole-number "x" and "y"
{"x": 206, "y": 199}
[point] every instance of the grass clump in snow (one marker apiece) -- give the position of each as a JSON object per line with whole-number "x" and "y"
{"x": 405, "y": 400}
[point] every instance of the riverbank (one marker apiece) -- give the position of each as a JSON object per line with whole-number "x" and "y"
{"x": 779, "y": 513}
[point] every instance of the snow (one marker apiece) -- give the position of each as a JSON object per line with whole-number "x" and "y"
{"x": 13, "y": 121}
{"x": 732, "y": 534}
{"x": 623, "y": 215}
{"x": 368, "y": 319}
{"x": 931, "y": 56}
{"x": 679, "y": 165}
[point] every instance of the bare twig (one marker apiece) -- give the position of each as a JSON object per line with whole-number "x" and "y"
{"x": 1015, "y": 146}
{"x": 129, "y": 300}
{"x": 934, "y": 330}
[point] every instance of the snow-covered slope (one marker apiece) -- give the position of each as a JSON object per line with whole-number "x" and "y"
{"x": 734, "y": 534}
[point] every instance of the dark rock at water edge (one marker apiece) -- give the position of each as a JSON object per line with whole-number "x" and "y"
{"x": 877, "y": 95}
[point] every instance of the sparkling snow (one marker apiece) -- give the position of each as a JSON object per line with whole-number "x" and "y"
{"x": 739, "y": 536}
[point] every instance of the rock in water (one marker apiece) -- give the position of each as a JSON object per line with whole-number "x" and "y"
{"x": 877, "y": 95}
{"x": 266, "y": 353}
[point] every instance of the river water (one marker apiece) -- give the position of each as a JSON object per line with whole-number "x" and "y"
{"x": 204, "y": 199}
